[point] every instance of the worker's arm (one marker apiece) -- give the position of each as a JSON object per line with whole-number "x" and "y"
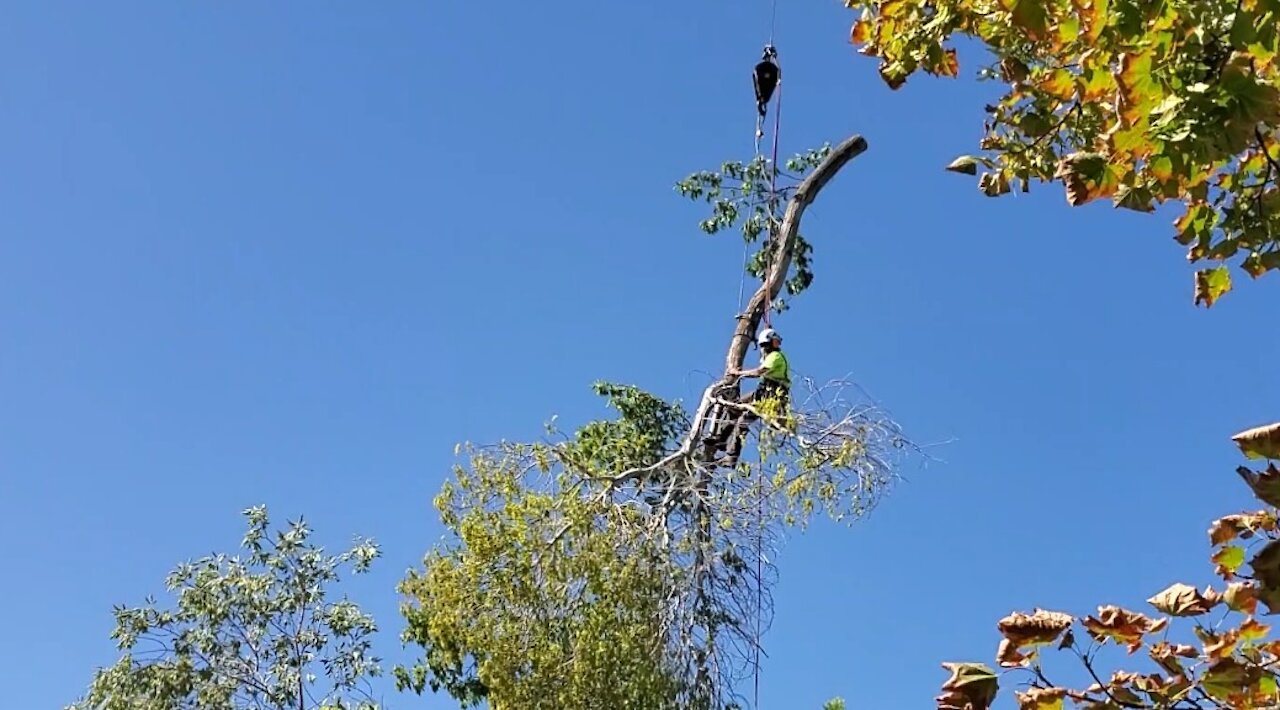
{"x": 748, "y": 373}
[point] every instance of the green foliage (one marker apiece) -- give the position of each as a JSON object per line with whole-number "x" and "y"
{"x": 541, "y": 598}
{"x": 640, "y": 437}
{"x": 758, "y": 191}
{"x": 1141, "y": 102}
{"x": 581, "y": 574}
{"x": 254, "y": 633}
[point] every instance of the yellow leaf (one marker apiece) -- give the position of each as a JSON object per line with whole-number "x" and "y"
{"x": 1041, "y": 699}
{"x": 1069, "y": 30}
{"x": 1228, "y": 559}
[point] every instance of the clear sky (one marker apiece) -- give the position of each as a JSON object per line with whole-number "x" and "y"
{"x": 291, "y": 253}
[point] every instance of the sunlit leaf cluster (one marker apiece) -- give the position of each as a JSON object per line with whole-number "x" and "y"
{"x": 1136, "y": 101}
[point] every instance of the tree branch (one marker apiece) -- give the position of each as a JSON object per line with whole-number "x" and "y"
{"x": 785, "y": 241}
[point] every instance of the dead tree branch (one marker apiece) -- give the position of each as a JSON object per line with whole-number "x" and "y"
{"x": 784, "y": 245}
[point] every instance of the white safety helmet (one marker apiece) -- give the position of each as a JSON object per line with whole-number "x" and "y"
{"x": 767, "y": 335}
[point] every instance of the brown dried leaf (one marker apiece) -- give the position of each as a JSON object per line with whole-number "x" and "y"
{"x": 1219, "y": 646}
{"x": 1242, "y": 525}
{"x": 972, "y": 686}
{"x": 1008, "y": 655}
{"x": 1041, "y": 627}
{"x": 1167, "y": 655}
{"x": 1266, "y": 570}
{"x": 1260, "y": 442}
{"x": 1242, "y": 597}
{"x": 1265, "y": 484}
{"x": 1119, "y": 688}
{"x": 1038, "y": 627}
{"x": 1122, "y": 626}
{"x": 1182, "y": 600}
{"x": 1012, "y": 70}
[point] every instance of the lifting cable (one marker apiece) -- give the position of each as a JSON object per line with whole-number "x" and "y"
{"x": 766, "y": 79}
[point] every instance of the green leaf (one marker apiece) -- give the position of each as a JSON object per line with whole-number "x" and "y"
{"x": 1229, "y": 558}
{"x": 1211, "y": 284}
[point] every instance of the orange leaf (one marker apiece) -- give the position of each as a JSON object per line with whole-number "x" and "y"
{"x": 1122, "y": 626}
{"x": 861, "y": 32}
{"x": 1253, "y": 630}
{"x": 1219, "y": 646}
{"x": 950, "y": 65}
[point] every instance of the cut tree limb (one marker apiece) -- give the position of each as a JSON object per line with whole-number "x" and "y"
{"x": 784, "y": 245}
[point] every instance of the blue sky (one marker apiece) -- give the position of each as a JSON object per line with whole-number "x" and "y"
{"x": 290, "y": 253}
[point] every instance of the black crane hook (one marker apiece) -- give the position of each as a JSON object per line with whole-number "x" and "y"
{"x": 765, "y": 78}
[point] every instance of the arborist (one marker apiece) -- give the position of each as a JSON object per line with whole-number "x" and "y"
{"x": 775, "y": 383}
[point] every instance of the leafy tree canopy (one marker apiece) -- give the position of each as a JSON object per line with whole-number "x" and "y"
{"x": 257, "y": 632}
{"x": 1138, "y": 101}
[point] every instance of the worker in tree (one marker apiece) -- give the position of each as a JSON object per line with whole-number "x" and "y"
{"x": 775, "y": 383}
